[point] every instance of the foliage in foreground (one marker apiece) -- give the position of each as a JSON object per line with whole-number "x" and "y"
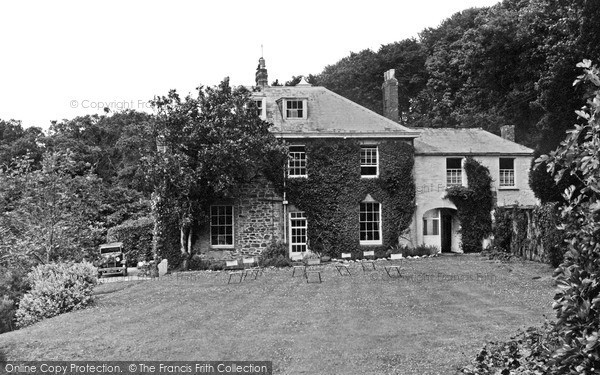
{"x": 572, "y": 345}
{"x": 56, "y": 288}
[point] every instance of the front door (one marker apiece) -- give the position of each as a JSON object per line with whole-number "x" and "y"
{"x": 298, "y": 236}
{"x": 446, "y": 231}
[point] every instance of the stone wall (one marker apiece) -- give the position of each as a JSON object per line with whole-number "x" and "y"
{"x": 258, "y": 220}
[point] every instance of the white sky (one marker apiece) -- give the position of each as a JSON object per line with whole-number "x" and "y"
{"x": 61, "y": 59}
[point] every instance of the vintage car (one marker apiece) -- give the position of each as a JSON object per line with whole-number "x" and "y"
{"x": 112, "y": 260}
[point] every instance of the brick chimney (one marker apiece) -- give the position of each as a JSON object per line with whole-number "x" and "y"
{"x": 390, "y": 95}
{"x": 508, "y": 132}
{"x": 261, "y": 73}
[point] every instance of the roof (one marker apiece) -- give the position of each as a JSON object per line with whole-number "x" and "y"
{"x": 329, "y": 115}
{"x": 465, "y": 141}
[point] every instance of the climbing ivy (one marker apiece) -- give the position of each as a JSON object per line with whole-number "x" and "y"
{"x": 334, "y": 189}
{"x": 474, "y": 205}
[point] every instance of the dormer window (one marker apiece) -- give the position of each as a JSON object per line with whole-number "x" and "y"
{"x": 295, "y": 108}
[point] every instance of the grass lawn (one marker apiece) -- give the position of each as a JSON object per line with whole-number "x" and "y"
{"x": 433, "y": 319}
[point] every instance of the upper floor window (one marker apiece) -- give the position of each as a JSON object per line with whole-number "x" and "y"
{"x": 297, "y": 162}
{"x": 221, "y": 226}
{"x": 295, "y": 108}
{"x": 260, "y": 108}
{"x": 370, "y": 223}
{"x": 507, "y": 172}
{"x": 369, "y": 161}
{"x": 453, "y": 172}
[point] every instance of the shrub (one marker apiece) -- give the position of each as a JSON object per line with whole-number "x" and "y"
{"x": 136, "y": 236}
{"x": 275, "y": 255}
{"x": 407, "y": 251}
{"x": 13, "y": 285}
{"x": 56, "y": 288}
{"x": 528, "y": 352}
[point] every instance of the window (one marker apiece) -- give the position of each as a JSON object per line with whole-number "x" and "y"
{"x": 453, "y": 172}
{"x": 259, "y": 108}
{"x": 431, "y": 220}
{"x": 507, "y": 172}
{"x": 370, "y": 223}
{"x": 298, "y": 228}
{"x": 221, "y": 226}
{"x": 297, "y": 162}
{"x": 294, "y": 108}
{"x": 369, "y": 161}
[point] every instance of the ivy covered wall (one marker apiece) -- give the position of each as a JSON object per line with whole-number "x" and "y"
{"x": 474, "y": 204}
{"x": 331, "y": 194}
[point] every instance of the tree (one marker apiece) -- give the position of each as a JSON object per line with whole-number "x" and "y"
{"x": 213, "y": 143}
{"x": 16, "y": 141}
{"x": 577, "y": 304}
{"x": 47, "y": 214}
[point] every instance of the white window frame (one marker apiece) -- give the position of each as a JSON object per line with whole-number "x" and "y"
{"x": 263, "y": 109}
{"x": 298, "y": 240}
{"x": 506, "y": 174}
{"x": 218, "y": 225}
{"x": 378, "y": 222}
{"x": 434, "y": 218}
{"x": 292, "y": 167}
{"x": 304, "y": 109}
{"x": 454, "y": 176}
{"x": 367, "y": 161}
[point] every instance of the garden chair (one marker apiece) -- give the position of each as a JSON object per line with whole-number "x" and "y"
{"x": 368, "y": 259}
{"x": 344, "y": 266}
{"x": 298, "y": 265}
{"x": 251, "y": 267}
{"x": 390, "y": 268}
{"x": 308, "y": 271}
{"x": 233, "y": 269}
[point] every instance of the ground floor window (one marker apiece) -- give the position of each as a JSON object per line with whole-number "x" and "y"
{"x": 221, "y": 226}
{"x": 298, "y": 232}
{"x": 370, "y": 223}
{"x": 431, "y": 223}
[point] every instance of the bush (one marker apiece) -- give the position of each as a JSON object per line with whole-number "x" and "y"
{"x": 13, "y": 285}
{"x": 56, "y": 288}
{"x": 275, "y": 255}
{"x": 136, "y": 236}
{"x": 528, "y": 352}
{"x": 407, "y": 251}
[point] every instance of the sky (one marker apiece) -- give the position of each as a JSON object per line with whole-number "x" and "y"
{"x": 62, "y": 59}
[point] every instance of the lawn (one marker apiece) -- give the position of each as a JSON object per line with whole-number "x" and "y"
{"x": 433, "y": 319}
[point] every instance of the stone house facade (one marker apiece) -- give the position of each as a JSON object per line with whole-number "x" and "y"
{"x": 298, "y": 114}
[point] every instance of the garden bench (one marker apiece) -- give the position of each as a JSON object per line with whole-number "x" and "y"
{"x": 396, "y": 267}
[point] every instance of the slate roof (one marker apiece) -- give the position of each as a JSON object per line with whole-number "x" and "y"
{"x": 463, "y": 141}
{"x": 329, "y": 115}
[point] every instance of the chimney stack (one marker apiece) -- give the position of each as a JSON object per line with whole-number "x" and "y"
{"x": 261, "y": 73}
{"x": 390, "y": 96}
{"x": 508, "y": 132}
